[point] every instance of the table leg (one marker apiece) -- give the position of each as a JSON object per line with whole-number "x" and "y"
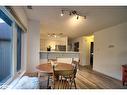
{"x": 48, "y": 82}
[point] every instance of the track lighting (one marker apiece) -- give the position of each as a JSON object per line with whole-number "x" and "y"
{"x": 62, "y": 13}
{"x": 84, "y": 17}
{"x": 29, "y": 7}
{"x": 54, "y": 35}
{"x": 72, "y": 12}
{"x": 77, "y": 17}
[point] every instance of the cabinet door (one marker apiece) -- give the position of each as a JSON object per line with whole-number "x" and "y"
{"x": 42, "y": 61}
{"x": 43, "y": 55}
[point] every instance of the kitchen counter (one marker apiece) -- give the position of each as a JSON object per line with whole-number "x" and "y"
{"x": 46, "y": 55}
{"x": 58, "y": 52}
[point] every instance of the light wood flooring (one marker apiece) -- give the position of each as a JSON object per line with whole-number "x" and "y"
{"x": 89, "y": 79}
{"x": 86, "y": 78}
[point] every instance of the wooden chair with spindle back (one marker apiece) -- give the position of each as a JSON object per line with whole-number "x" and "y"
{"x": 63, "y": 79}
{"x": 76, "y": 62}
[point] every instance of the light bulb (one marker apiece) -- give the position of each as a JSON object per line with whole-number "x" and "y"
{"x": 61, "y": 14}
{"x": 55, "y": 36}
{"x": 77, "y": 17}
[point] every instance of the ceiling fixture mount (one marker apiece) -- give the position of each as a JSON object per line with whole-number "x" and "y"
{"x": 29, "y": 7}
{"x": 77, "y": 17}
{"x": 53, "y": 35}
{"x": 62, "y": 13}
{"x": 72, "y": 12}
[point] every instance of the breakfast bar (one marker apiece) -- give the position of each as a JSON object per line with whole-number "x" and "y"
{"x": 46, "y": 55}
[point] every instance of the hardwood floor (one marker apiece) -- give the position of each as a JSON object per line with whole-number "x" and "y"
{"x": 86, "y": 78}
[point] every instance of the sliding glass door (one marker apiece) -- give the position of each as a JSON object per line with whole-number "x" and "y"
{"x": 5, "y": 47}
{"x": 19, "y": 40}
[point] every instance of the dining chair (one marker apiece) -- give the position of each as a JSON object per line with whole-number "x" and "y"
{"x": 63, "y": 79}
{"x": 44, "y": 79}
{"x": 76, "y": 59}
{"x": 42, "y": 61}
{"x": 64, "y": 60}
{"x": 76, "y": 63}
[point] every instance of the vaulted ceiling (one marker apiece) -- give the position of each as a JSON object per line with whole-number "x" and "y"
{"x": 97, "y": 18}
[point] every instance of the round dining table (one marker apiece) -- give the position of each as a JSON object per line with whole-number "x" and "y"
{"x": 47, "y": 68}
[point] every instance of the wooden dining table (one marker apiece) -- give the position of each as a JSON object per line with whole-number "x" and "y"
{"x": 47, "y": 68}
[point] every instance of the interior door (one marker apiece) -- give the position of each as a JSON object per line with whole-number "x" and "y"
{"x": 91, "y": 53}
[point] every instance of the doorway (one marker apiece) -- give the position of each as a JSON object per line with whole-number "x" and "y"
{"x": 91, "y": 53}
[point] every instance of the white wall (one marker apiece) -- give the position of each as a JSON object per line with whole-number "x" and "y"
{"x": 110, "y": 50}
{"x": 87, "y": 41}
{"x": 81, "y": 49}
{"x": 34, "y": 45}
{"x": 84, "y": 48}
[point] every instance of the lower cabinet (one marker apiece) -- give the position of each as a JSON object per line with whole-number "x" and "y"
{"x": 45, "y": 56}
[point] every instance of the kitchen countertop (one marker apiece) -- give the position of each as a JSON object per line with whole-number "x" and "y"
{"x": 58, "y": 52}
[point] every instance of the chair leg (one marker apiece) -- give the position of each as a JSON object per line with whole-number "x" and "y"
{"x": 53, "y": 84}
{"x": 66, "y": 84}
{"x": 75, "y": 84}
{"x": 71, "y": 84}
{"x": 48, "y": 82}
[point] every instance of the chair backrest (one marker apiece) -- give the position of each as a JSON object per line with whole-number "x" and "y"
{"x": 64, "y": 60}
{"x": 61, "y": 77}
{"x": 76, "y": 63}
{"x": 76, "y": 59}
{"x": 43, "y": 61}
{"x": 63, "y": 73}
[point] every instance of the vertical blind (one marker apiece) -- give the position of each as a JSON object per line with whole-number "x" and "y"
{"x": 5, "y": 47}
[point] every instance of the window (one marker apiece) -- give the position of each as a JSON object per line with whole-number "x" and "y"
{"x": 10, "y": 47}
{"x": 5, "y": 47}
{"x": 19, "y": 31}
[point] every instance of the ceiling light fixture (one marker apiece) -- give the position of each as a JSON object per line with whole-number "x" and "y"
{"x": 71, "y": 13}
{"x": 77, "y": 17}
{"x": 48, "y": 35}
{"x": 53, "y": 35}
{"x": 84, "y": 17}
{"x": 29, "y": 7}
{"x": 62, "y": 13}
